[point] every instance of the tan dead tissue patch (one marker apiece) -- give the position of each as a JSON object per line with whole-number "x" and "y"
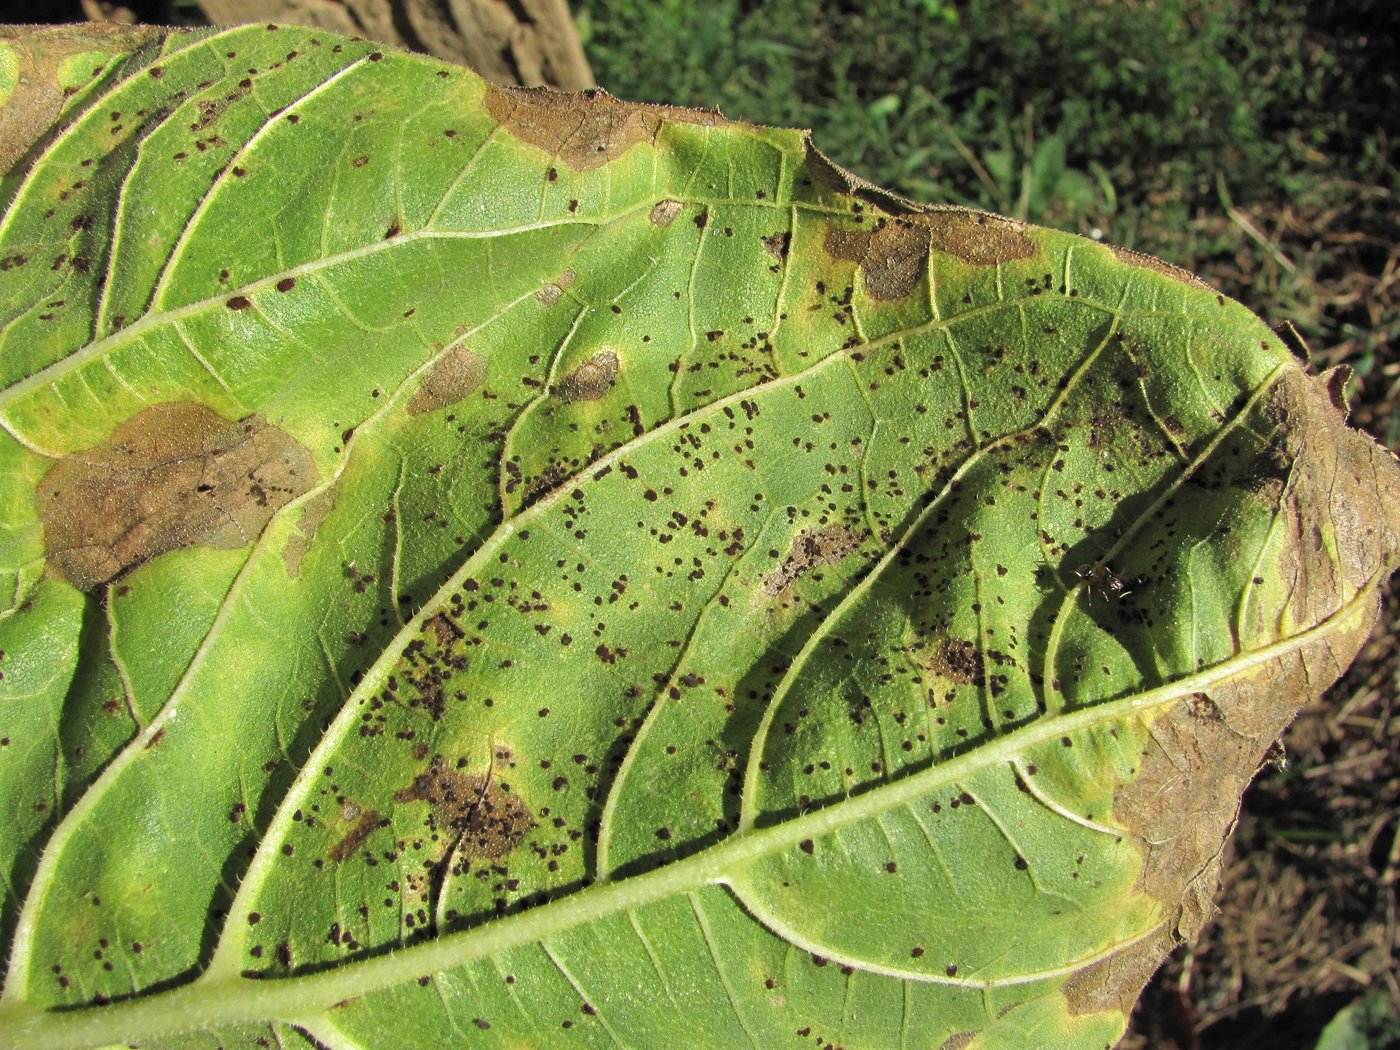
{"x": 957, "y": 660}
{"x": 892, "y": 257}
{"x": 453, "y": 376}
{"x": 175, "y": 475}
{"x": 977, "y": 237}
{"x": 585, "y": 130}
{"x": 554, "y": 291}
{"x": 663, "y": 213}
{"x": 1149, "y": 262}
{"x": 893, "y": 254}
{"x": 313, "y": 513}
{"x": 471, "y": 810}
{"x": 810, "y": 549}
{"x": 590, "y": 380}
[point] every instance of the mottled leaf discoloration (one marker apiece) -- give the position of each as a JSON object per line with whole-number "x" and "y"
{"x": 1335, "y": 540}
{"x": 44, "y": 59}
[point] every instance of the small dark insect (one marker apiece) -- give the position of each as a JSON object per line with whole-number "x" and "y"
{"x": 1103, "y": 580}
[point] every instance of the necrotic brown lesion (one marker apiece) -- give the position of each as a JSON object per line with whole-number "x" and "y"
{"x": 174, "y": 475}
{"x": 590, "y": 380}
{"x": 452, "y": 377}
{"x": 355, "y": 837}
{"x": 811, "y": 548}
{"x": 473, "y": 810}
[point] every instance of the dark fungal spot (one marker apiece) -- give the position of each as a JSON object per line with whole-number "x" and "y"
{"x": 455, "y": 375}
{"x": 590, "y": 380}
{"x": 175, "y": 475}
{"x": 238, "y": 302}
{"x": 286, "y": 284}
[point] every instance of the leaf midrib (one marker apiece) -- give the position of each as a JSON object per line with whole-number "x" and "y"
{"x": 225, "y": 999}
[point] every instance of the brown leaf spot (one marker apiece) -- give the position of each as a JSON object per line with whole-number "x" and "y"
{"x": 299, "y": 542}
{"x": 893, "y": 255}
{"x": 977, "y": 237}
{"x": 663, "y": 213}
{"x": 1148, "y": 262}
{"x": 590, "y": 380}
{"x": 811, "y": 548}
{"x": 957, "y": 660}
{"x": 355, "y": 837}
{"x": 554, "y": 291}
{"x": 472, "y": 810}
{"x": 1184, "y": 802}
{"x": 585, "y": 130}
{"x": 453, "y": 376}
{"x": 175, "y": 475}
